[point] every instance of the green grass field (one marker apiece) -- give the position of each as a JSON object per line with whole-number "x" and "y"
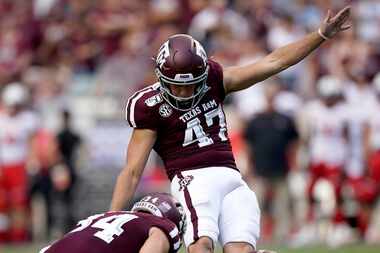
{"x": 348, "y": 249}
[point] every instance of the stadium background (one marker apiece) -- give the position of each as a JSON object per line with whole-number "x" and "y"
{"x": 89, "y": 56}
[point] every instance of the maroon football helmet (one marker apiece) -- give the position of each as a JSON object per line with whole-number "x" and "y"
{"x": 182, "y": 61}
{"x": 163, "y": 205}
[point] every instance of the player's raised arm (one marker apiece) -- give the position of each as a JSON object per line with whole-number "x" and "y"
{"x": 241, "y": 77}
{"x": 156, "y": 242}
{"x": 139, "y": 148}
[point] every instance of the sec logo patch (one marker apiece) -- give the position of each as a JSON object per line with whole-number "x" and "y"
{"x": 165, "y": 110}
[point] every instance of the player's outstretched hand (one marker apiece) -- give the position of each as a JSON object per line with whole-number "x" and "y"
{"x": 333, "y": 25}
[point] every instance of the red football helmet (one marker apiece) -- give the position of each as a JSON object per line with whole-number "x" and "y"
{"x": 182, "y": 61}
{"x": 163, "y": 205}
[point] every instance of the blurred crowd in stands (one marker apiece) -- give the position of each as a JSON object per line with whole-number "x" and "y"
{"x": 307, "y": 141}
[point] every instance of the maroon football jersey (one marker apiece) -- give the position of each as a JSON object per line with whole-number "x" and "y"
{"x": 186, "y": 140}
{"x": 114, "y": 232}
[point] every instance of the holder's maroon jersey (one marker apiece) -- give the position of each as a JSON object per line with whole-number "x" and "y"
{"x": 114, "y": 232}
{"x": 186, "y": 139}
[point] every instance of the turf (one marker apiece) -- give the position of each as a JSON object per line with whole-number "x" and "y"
{"x": 347, "y": 249}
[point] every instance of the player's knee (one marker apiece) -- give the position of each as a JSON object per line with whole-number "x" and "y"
{"x": 202, "y": 245}
{"x": 238, "y": 247}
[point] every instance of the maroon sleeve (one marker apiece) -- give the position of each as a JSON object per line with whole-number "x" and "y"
{"x": 138, "y": 114}
{"x": 170, "y": 231}
{"x": 215, "y": 78}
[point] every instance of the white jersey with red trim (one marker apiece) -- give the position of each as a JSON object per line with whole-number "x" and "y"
{"x": 327, "y": 143}
{"x": 360, "y": 100}
{"x": 374, "y": 123}
{"x": 15, "y": 133}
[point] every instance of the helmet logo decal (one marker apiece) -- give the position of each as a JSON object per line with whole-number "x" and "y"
{"x": 163, "y": 53}
{"x": 165, "y": 110}
{"x": 166, "y": 206}
{"x": 200, "y": 51}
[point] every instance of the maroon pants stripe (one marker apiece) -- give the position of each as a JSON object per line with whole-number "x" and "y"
{"x": 193, "y": 213}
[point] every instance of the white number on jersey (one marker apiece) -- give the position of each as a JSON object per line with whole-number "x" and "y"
{"x": 194, "y": 127}
{"x": 85, "y": 223}
{"x": 222, "y": 121}
{"x": 110, "y": 226}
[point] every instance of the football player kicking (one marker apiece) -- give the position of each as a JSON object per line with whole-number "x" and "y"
{"x": 181, "y": 117}
{"x": 155, "y": 224}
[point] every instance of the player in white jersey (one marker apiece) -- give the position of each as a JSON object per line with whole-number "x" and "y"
{"x": 360, "y": 99}
{"x": 326, "y": 126}
{"x": 373, "y": 233}
{"x": 374, "y": 137}
{"x": 17, "y": 127}
{"x": 362, "y": 186}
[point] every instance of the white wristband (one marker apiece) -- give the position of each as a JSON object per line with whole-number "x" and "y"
{"x": 322, "y": 35}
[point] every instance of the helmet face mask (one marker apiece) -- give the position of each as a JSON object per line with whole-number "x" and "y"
{"x": 182, "y": 61}
{"x": 182, "y": 103}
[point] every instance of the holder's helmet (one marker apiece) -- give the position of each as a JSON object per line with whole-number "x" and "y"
{"x": 163, "y": 205}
